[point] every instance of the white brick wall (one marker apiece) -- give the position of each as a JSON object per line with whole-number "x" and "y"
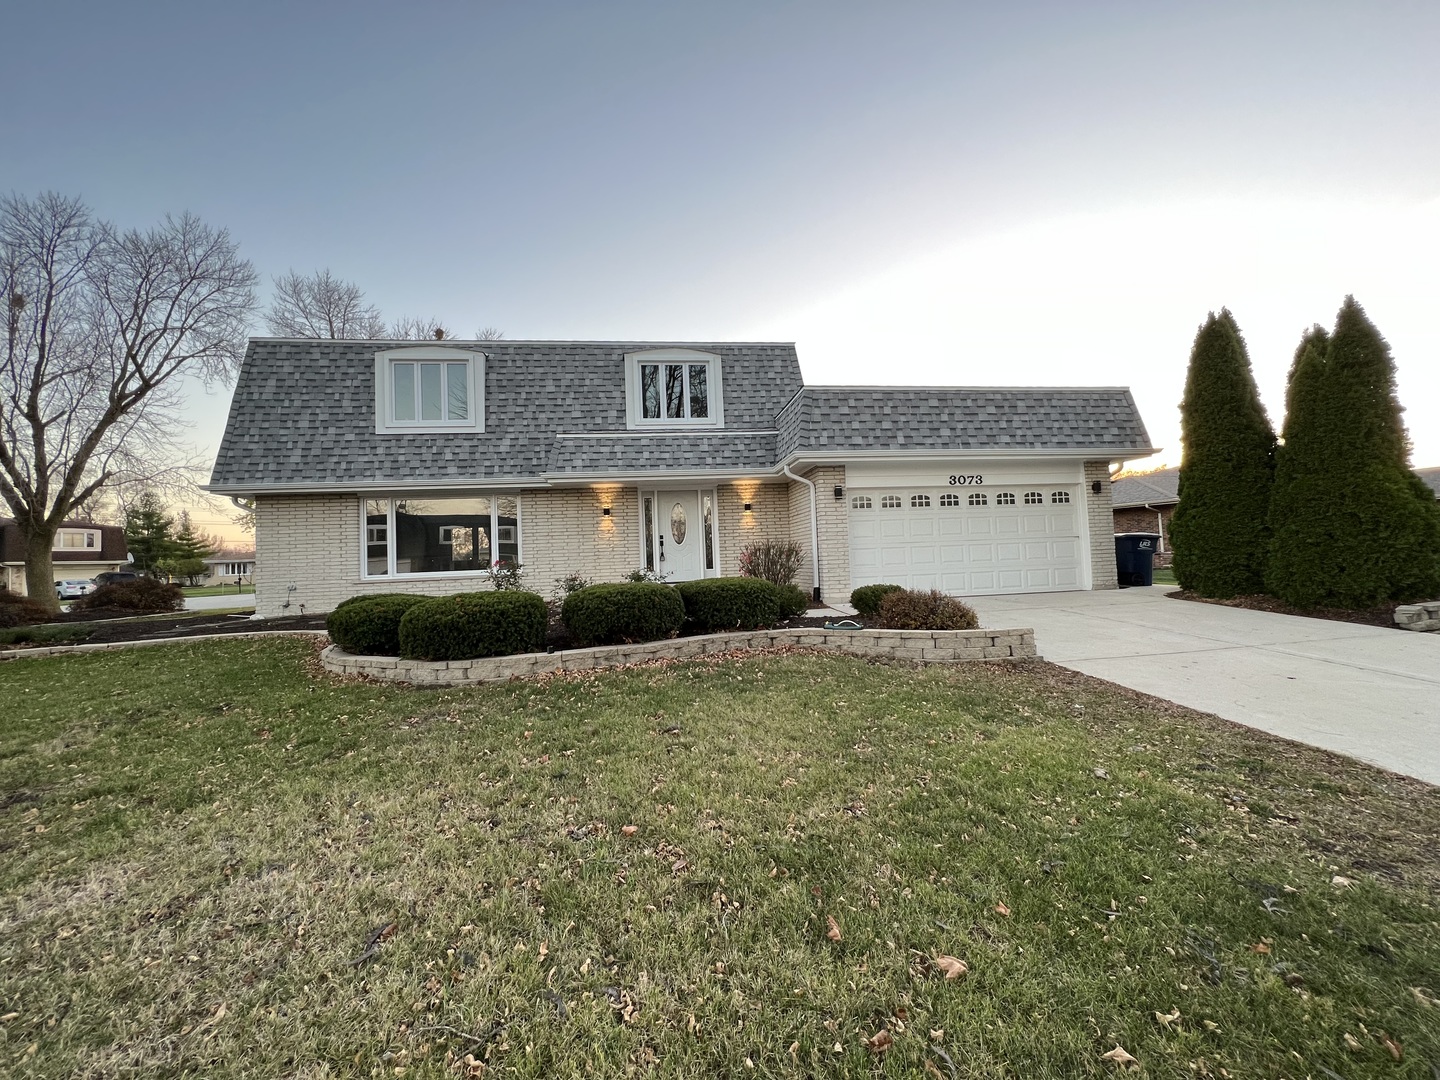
{"x": 769, "y": 519}
{"x": 832, "y": 517}
{"x": 1101, "y": 520}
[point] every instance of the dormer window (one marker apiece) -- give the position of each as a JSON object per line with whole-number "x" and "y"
{"x": 673, "y": 388}
{"x": 431, "y": 390}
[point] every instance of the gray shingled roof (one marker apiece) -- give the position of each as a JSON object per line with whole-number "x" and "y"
{"x": 304, "y": 414}
{"x": 1431, "y": 476}
{"x": 1159, "y": 488}
{"x": 838, "y": 418}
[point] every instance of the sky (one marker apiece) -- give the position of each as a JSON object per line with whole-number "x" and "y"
{"x": 914, "y": 193}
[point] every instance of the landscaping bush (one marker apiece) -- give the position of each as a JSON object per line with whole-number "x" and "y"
{"x": 866, "y": 599}
{"x": 775, "y": 561}
{"x": 911, "y": 609}
{"x": 17, "y": 610}
{"x": 370, "y": 625}
{"x": 622, "y": 612}
{"x": 375, "y": 596}
{"x": 793, "y": 600}
{"x": 468, "y": 626}
{"x": 735, "y": 603}
{"x": 143, "y": 596}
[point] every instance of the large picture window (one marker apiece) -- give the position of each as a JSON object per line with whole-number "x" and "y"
{"x": 449, "y": 535}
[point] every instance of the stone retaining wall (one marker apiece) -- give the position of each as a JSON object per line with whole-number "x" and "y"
{"x": 1418, "y": 616}
{"x": 944, "y": 646}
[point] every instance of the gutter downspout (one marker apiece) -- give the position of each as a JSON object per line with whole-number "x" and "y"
{"x": 1159, "y": 524}
{"x": 814, "y": 535}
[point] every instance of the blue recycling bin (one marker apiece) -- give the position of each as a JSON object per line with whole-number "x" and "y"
{"x": 1135, "y": 558}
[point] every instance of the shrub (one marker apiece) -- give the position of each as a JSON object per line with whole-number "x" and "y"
{"x": 622, "y": 612}
{"x": 467, "y": 626}
{"x": 645, "y": 575}
{"x": 374, "y": 596}
{"x": 775, "y": 561}
{"x": 735, "y": 603}
{"x": 370, "y": 625}
{"x": 793, "y": 600}
{"x": 866, "y": 599}
{"x": 17, "y": 610}
{"x": 143, "y": 596}
{"x": 911, "y": 609}
{"x": 505, "y": 576}
{"x": 571, "y": 582}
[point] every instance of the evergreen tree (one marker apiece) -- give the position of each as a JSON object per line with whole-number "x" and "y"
{"x": 149, "y": 532}
{"x": 190, "y": 543}
{"x": 1353, "y": 526}
{"x": 1220, "y": 533}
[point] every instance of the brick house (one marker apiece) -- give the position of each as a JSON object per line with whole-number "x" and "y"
{"x": 1146, "y": 503}
{"x": 82, "y": 549}
{"x": 1431, "y": 476}
{"x": 385, "y": 466}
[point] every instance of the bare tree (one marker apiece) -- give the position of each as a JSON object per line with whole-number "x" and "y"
{"x": 102, "y": 327}
{"x": 411, "y": 328}
{"x": 321, "y": 306}
{"x": 489, "y": 333}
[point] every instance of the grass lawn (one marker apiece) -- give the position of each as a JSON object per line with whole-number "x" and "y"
{"x": 1164, "y": 576}
{"x": 218, "y": 590}
{"x": 218, "y": 861}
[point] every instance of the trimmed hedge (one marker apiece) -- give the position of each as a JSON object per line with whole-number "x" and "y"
{"x": 735, "y": 603}
{"x": 866, "y": 599}
{"x": 906, "y": 609}
{"x": 370, "y": 625}
{"x": 622, "y": 613}
{"x": 793, "y": 600}
{"x": 143, "y": 596}
{"x": 17, "y": 610}
{"x": 468, "y": 626}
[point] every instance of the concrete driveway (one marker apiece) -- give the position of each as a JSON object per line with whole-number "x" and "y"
{"x": 1365, "y": 691}
{"x": 219, "y": 603}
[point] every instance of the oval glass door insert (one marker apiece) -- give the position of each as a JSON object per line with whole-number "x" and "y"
{"x": 677, "y": 523}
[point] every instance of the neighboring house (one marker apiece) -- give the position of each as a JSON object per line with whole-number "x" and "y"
{"x": 82, "y": 550}
{"x": 1431, "y": 476}
{"x": 224, "y": 567}
{"x": 378, "y": 467}
{"x": 1146, "y": 503}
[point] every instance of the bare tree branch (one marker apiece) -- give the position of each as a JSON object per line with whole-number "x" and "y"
{"x": 101, "y": 327}
{"x": 321, "y": 306}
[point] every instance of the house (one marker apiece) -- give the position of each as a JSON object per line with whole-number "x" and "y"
{"x": 228, "y": 565}
{"x": 1146, "y": 502}
{"x": 384, "y": 466}
{"x": 82, "y": 549}
{"x": 1431, "y": 476}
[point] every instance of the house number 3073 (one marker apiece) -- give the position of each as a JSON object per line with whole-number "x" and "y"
{"x": 956, "y": 481}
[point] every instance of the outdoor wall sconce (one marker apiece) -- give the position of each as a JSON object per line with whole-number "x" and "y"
{"x": 605, "y": 512}
{"x": 747, "y": 508}
{"x": 839, "y": 492}
{"x": 1095, "y": 487}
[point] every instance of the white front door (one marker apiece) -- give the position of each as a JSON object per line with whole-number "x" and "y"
{"x": 683, "y": 540}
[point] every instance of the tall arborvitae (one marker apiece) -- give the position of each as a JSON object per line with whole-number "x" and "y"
{"x": 1220, "y": 534}
{"x": 1353, "y": 526}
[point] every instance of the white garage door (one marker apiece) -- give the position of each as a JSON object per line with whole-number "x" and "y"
{"x": 968, "y": 541}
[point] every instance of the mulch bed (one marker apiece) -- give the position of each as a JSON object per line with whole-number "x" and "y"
{"x": 558, "y": 638}
{"x": 1376, "y": 616}
{"x": 111, "y": 627}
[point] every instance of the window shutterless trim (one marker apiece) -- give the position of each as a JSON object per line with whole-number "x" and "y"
{"x": 474, "y": 361}
{"x": 635, "y": 418}
{"x": 390, "y": 573}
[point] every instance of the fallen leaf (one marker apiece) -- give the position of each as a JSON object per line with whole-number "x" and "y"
{"x": 544, "y": 950}
{"x": 931, "y": 1069}
{"x": 952, "y": 967}
{"x": 629, "y": 830}
{"x": 1211, "y": 1025}
{"x": 1352, "y": 1044}
{"x": 1396, "y": 1050}
{"x": 881, "y": 1041}
{"x": 834, "y": 932}
{"x": 1423, "y": 998}
{"x": 1166, "y": 1019}
{"x": 1260, "y": 947}
{"x": 1120, "y": 1057}
{"x": 1340, "y": 881}
{"x": 1101, "y": 774}
{"x": 1002, "y": 909}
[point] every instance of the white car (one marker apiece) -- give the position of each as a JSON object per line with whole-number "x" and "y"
{"x": 73, "y": 588}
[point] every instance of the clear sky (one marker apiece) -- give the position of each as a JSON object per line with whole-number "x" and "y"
{"x": 970, "y": 193}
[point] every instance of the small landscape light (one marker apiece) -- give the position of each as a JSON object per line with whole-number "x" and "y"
{"x": 839, "y": 492}
{"x": 605, "y": 512}
{"x": 1095, "y": 487}
{"x": 747, "y": 508}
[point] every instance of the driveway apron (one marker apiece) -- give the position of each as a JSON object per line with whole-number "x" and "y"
{"x": 1365, "y": 691}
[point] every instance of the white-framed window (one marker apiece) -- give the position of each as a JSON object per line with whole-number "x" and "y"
{"x": 77, "y": 540}
{"x": 861, "y": 502}
{"x": 890, "y": 502}
{"x": 234, "y": 569}
{"x": 1034, "y": 498}
{"x": 1059, "y": 496}
{"x": 949, "y": 499}
{"x": 1005, "y": 498}
{"x": 918, "y": 502}
{"x": 673, "y": 388}
{"x": 979, "y": 498}
{"x": 441, "y": 535}
{"x": 429, "y": 389}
